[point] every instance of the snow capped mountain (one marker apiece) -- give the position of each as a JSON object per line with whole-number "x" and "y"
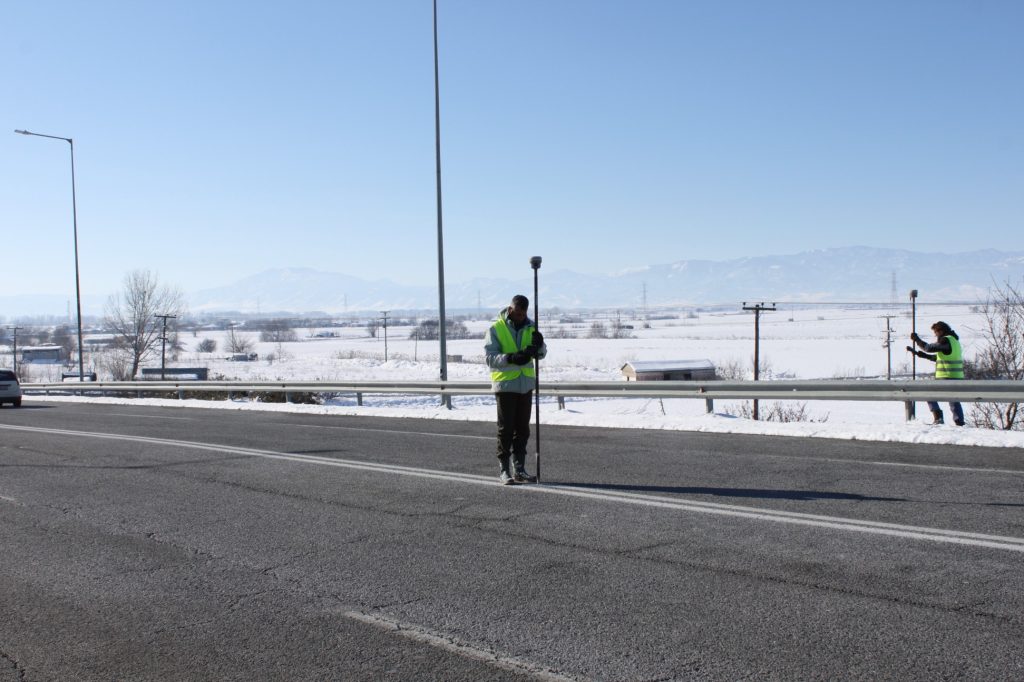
{"x": 855, "y": 274}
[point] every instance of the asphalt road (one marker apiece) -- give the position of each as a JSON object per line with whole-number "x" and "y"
{"x": 160, "y": 543}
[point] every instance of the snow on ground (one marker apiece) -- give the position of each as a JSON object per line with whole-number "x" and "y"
{"x": 821, "y": 343}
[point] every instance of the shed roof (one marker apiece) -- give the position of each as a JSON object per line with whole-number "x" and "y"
{"x": 668, "y": 365}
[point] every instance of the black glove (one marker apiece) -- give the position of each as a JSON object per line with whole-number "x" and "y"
{"x": 538, "y": 339}
{"x": 519, "y": 358}
{"x": 914, "y": 337}
{"x": 911, "y": 349}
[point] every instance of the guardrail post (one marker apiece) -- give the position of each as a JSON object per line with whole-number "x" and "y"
{"x": 287, "y": 396}
{"x": 908, "y": 409}
{"x": 709, "y": 404}
{"x": 359, "y": 399}
{"x": 561, "y": 402}
{"x": 181, "y": 395}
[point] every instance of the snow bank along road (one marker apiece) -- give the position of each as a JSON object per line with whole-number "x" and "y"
{"x": 143, "y": 542}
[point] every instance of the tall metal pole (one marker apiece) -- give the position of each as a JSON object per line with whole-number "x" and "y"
{"x": 446, "y": 399}
{"x": 74, "y": 218}
{"x": 385, "y": 314}
{"x": 911, "y": 406}
{"x": 535, "y": 264}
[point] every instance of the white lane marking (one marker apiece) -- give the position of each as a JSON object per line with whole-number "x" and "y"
{"x": 440, "y": 640}
{"x": 8, "y": 499}
{"x": 799, "y": 518}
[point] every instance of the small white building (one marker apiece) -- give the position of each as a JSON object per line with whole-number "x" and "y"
{"x": 42, "y": 355}
{"x": 669, "y": 370}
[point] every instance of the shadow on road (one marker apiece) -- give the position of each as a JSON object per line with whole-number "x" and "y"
{"x": 750, "y": 493}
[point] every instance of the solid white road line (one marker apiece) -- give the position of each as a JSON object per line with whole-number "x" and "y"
{"x": 654, "y": 501}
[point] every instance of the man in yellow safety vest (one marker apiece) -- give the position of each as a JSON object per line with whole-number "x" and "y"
{"x": 948, "y": 356}
{"x": 511, "y": 344}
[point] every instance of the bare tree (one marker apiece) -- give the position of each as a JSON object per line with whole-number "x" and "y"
{"x": 130, "y": 315}
{"x": 237, "y": 343}
{"x": 1003, "y": 355}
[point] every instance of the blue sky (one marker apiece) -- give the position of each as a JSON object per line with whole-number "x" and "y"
{"x": 214, "y": 140}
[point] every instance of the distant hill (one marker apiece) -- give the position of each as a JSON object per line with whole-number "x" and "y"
{"x": 856, "y": 274}
{"x": 851, "y": 274}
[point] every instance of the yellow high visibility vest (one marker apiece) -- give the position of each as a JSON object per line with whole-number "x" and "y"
{"x": 508, "y": 345}
{"x": 950, "y": 366}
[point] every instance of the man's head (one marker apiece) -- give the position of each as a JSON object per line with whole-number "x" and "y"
{"x": 517, "y": 310}
{"x": 942, "y": 329}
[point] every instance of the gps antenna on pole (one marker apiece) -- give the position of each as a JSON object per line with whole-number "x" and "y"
{"x": 535, "y": 264}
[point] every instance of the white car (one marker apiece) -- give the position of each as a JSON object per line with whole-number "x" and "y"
{"x": 10, "y": 389}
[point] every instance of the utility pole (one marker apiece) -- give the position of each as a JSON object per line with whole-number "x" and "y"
{"x": 163, "y": 344}
{"x": 14, "y": 355}
{"x": 758, "y": 308}
{"x": 888, "y": 345}
{"x": 385, "y": 314}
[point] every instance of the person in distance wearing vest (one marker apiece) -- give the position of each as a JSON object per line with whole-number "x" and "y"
{"x": 948, "y": 356}
{"x": 511, "y": 344}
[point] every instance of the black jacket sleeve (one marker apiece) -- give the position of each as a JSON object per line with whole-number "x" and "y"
{"x": 941, "y": 346}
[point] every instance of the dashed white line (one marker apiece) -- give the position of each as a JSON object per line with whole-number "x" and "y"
{"x": 440, "y": 640}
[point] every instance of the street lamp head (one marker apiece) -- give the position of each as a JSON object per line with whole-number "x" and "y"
{"x": 23, "y": 132}
{"x": 913, "y": 293}
{"x": 535, "y": 262}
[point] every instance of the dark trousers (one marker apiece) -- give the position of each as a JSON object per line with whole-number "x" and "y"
{"x": 514, "y": 411}
{"x": 956, "y": 408}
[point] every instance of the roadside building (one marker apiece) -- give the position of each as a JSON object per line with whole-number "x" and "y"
{"x": 42, "y": 355}
{"x": 669, "y": 370}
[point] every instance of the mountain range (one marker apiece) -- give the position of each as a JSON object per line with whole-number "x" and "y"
{"x": 848, "y": 274}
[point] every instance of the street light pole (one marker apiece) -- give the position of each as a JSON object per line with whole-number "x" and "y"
{"x": 447, "y": 400}
{"x": 74, "y": 218}
{"x": 385, "y": 314}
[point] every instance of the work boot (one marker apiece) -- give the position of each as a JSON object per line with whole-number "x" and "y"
{"x": 937, "y": 417}
{"x": 506, "y": 478}
{"x": 522, "y": 476}
{"x": 958, "y": 422}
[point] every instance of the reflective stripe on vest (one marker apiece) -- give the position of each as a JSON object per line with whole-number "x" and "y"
{"x": 950, "y": 366}
{"x": 508, "y": 345}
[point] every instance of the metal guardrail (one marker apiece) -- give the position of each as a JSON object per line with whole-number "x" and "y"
{"x": 973, "y": 391}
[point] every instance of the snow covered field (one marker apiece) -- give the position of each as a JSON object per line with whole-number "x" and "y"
{"x": 796, "y": 343}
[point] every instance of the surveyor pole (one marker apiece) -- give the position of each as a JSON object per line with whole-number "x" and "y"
{"x": 535, "y": 264}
